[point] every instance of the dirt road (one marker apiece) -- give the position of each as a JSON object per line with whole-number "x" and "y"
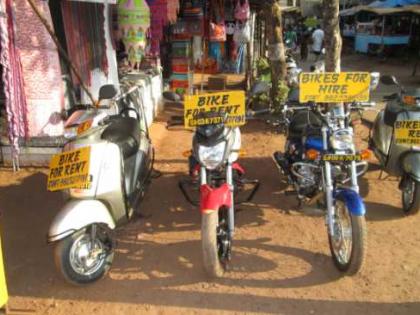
{"x": 281, "y": 262}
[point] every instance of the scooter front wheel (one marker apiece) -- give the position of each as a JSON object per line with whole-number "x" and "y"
{"x": 210, "y": 244}
{"x": 411, "y": 197}
{"x": 348, "y": 244}
{"x": 81, "y": 260}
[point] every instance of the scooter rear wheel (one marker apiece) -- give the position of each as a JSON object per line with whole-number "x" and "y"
{"x": 411, "y": 197}
{"x": 210, "y": 248}
{"x": 81, "y": 261}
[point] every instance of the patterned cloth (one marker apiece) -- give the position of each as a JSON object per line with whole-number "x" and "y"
{"x": 12, "y": 78}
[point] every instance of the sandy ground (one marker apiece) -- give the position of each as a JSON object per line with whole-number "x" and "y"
{"x": 281, "y": 262}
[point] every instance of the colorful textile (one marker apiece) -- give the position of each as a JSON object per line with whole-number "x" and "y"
{"x": 133, "y": 23}
{"x": 41, "y": 70}
{"x": 85, "y": 36}
{"x": 12, "y": 78}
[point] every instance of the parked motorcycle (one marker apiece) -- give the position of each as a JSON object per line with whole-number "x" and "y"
{"x": 320, "y": 161}
{"x": 400, "y": 157}
{"x": 110, "y": 149}
{"x": 215, "y": 172}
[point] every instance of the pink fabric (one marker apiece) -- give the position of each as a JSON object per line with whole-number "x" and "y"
{"x": 242, "y": 12}
{"x": 12, "y": 78}
{"x": 41, "y": 70}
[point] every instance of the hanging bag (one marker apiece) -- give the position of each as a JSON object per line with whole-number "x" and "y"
{"x": 242, "y": 11}
{"x": 218, "y": 27}
{"x": 242, "y": 34}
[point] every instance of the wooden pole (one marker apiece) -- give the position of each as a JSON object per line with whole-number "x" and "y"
{"x": 61, "y": 50}
{"x": 332, "y": 38}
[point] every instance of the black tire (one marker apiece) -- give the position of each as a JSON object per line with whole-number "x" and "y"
{"x": 411, "y": 197}
{"x": 211, "y": 259}
{"x": 62, "y": 253}
{"x": 358, "y": 245}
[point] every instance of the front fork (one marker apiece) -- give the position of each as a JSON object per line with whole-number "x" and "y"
{"x": 229, "y": 181}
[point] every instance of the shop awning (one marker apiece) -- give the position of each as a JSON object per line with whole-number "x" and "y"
{"x": 386, "y": 7}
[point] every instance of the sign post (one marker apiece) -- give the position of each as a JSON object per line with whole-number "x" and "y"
{"x": 330, "y": 87}
{"x": 228, "y": 108}
{"x": 3, "y": 287}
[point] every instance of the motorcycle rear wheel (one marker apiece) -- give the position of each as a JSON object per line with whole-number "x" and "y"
{"x": 75, "y": 266}
{"x": 211, "y": 258}
{"x": 411, "y": 197}
{"x": 353, "y": 227}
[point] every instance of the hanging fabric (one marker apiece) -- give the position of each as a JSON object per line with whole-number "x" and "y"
{"x": 242, "y": 33}
{"x": 12, "y": 79}
{"x": 217, "y": 32}
{"x": 133, "y": 22}
{"x": 242, "y": 10}
{"x": 85, "y": 37}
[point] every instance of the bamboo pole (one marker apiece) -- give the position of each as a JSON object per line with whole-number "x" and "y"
{"x": 61, "y": 50}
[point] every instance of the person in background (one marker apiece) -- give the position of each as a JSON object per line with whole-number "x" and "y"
{"x": 317, "y": 42}
{"x": 304, "y": 42}
{"x": 291, "y": 38}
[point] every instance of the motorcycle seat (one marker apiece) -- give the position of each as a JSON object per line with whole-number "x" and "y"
{"x": 124, "y": 132}
{"x": 300, "y": 122}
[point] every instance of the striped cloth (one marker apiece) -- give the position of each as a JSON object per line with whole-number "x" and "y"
{"x": 12, "y": 79}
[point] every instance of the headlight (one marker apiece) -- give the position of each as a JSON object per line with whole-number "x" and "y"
{"x": 70, "y": 133}
{"x": 342, "y": 140}
{"x": 211, "y": 157}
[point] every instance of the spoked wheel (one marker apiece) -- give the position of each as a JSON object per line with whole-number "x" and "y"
{"x": 348, "y": 244}
{"x": 216, "y": 245}
{"x": 81, "y": 260}
{"x": 411, "y": 197}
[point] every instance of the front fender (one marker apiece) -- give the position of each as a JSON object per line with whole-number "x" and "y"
{"x": 411, "y": 164}
{"x": 77, "y": 214}
{"x": 352, "y": 200}
{"x": 212, "y": 199}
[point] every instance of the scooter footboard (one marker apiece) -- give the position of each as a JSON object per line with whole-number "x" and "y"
{"x": 352, "y": 200}
{"x": 77, "y": 214}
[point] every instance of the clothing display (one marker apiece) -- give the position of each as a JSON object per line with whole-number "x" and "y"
{"x": 85, "y": 37}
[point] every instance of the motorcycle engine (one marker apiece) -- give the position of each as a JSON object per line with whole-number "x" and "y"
{"x": 308, "y": 182}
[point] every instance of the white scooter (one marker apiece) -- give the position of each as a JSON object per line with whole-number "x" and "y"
{"x": 112, "y": 155}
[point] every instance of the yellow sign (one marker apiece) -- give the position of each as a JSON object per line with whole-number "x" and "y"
{"x": 228, "y": 107}
{"x": 69, "y": 170}
{"x": 3, "y": 287}
{"x": 332, "y": 87}
{"x": 342, "y": 157}
{"x": 407, "y": 132}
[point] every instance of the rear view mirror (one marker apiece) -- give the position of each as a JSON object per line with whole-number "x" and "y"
{"x": 259, "y": 88}
{"x": 389, "y": 80}
{"x": 107, "y": 92}
{"x": 171, "y": 96}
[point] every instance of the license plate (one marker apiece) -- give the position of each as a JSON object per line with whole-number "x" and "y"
{"x": 69, "y": 169}
{"x": 342, "y": 157}
{"x": 407, "y": 132}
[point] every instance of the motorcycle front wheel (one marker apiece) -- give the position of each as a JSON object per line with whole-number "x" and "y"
{"x": 411, "y": 197}
{"x": 211, "y": 246}
{"x": 348, "y": 244}
{"x": 81, "y": 261}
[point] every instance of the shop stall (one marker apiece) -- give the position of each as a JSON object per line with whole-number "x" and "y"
{"x": 382, "y": 25}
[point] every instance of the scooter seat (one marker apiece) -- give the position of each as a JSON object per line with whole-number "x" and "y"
{"x": 124, "y": 132}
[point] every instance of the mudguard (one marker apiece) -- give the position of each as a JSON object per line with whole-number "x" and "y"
{"x": 411, "y": 164}
{"x": 352, "y": 200}
{"x": 75, "y": 215}
{"x": 212, "y": 199}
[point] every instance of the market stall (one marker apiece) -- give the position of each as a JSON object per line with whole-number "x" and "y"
{"x": 381, "y": 25}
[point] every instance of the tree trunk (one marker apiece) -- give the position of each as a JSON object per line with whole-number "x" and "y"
{"x": 332, "y": 37}
{"x": 275, "y": 41}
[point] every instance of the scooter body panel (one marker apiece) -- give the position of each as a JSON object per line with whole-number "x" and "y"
{"x": 77, "y": 214}
{"x": 411, "y": 164}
